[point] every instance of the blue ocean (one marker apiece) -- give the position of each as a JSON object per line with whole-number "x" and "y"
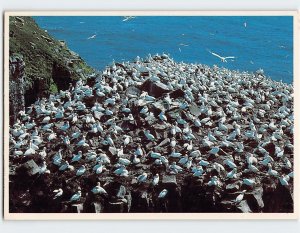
{"x": 255, "y": 41}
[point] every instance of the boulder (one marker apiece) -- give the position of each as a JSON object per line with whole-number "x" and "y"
{"x": 156, "y": 89}
{"x": 30, "y": 168}
{"x": 177, "y": 94}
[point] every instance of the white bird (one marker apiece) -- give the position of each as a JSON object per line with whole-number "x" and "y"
{"x": 272, "y": 172}
{"x": 183, "y": 160}
{"x": 139, "y": 151}
{"x": 203, "y": 163}
{"x": 198, "y": 171}
{"x": 249, "y": 182}
{"x": 76, "y": 196}
{"x": 149, "y": 136}
{"x": 283, "y": 180}
{"x": 223, "y": 59}
{"x": 240, "y": 197}
{"x": 81, "y": 170}
{"x": 214, "y": 181}
{"x": 29, "y": 151}
{"x": 155, "y": 180}
{"x": 92, "y": 37}
{"x": 64, "y": 166}
{"x": 124, "y": 161}
{"x": 163, "y": 193}
{"x": 214, "y": 150}
{"x": 142, "y": 178}
{"x": 162, "y": 116}
{"x": 98, "y": 168}
{"x": 155, "y": 155}
{"x": 98, "y": 189}
{"x": 128, "y": 18}
{"x": 121, "y": 171}
{"x": 77, "y": 157}
{"x": 127, "y": 140}
{"x": 230, "y": 163}
{"x": 44, "y": 169}
{"x": 195, "y": 153}
{"x": 135, "y": 159}
{"x": 175, "y": 154}
{"x": 232, "y": 174}
{"x": 46, "y": 120}
{"x": 59, "y": 192}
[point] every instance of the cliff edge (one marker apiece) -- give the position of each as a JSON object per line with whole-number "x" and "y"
{"x": 39, "y": 64}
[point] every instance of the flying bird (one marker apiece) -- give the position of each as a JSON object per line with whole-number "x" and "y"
{"x": 128, "y": 18}
{"x": 92, "y": 37}
{"x": 223, "y": 59}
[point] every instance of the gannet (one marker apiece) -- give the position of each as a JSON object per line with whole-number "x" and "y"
{"x": 214, "y": 150}
{"x": 163, "y": 193}
{"x": 154, "y": 155}
{"x": 121, "y": 171}
{"x": 103, "y": 158}
{"x": 175, "y": 168}
{"x": 198, "y": 171}
{"x": 127, "y": 139}
{"x": 124, "y": 161}
{"x": 272, "y": 172}
{"x": 98, "y": 189}
{"x": 90, "y": 155}
{"x": 248, "y": 182}
{"x": 155, "y": 180}
{"x": 77, "y": 157}
{"x": 142, "y": 178}
{"x": 195, "y": 153}
{"x": 98, "y": 168}
{"x": 183, "y": 160}
{"x": 76, "y": 196}
{"x": 240, "y": 197}
{"x": 135, "y": 159}
{"x": 232, "y": 174}
{"x": 92, "y": 37}
{"x": 251, "y": 159}
{"x": 162, "y": 116}
{"x": 82, "y": 142}
{"x": 283, "y": 180}
{"x": 65, "y": 126}
{"x": 223, "y": 59}
{"x": 128, "y": 18}
{"x": 30, "y": 150}
{"x": 58, "y": 192}
{"x": 139, "y": 151}
{"x": 18, "y": 153}
{"x": 44, "y": 169}
{"x": 214, "y": 181}
{"x": 230, "y": 163}
{"x": 81, "y": 170}
{"x": 149, "y": 136}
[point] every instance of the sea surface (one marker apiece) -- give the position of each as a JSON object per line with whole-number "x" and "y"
{"x": 256, "y": 41}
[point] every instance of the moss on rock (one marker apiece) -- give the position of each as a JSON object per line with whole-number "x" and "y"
{"x": 49, "y": 64}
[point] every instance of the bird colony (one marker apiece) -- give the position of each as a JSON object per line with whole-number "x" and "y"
{"x": 139, "y": 123}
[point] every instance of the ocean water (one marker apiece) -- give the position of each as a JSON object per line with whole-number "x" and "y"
{"x": 256, "y": 41}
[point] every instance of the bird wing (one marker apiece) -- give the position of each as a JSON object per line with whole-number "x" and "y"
{"x": 217, "y": 55}
{"x": 126, "y": 18}
{"x": 230, "y": 57}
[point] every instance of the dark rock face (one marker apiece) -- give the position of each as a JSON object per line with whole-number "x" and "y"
{"x": 155, "y": 89}
{"x": 278, "y": 200}
{"x": 16, "y": 85}
{"x": 61, "y": 76}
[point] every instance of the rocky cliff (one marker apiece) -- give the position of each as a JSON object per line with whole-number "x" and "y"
{"x": 39, "y": 64}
